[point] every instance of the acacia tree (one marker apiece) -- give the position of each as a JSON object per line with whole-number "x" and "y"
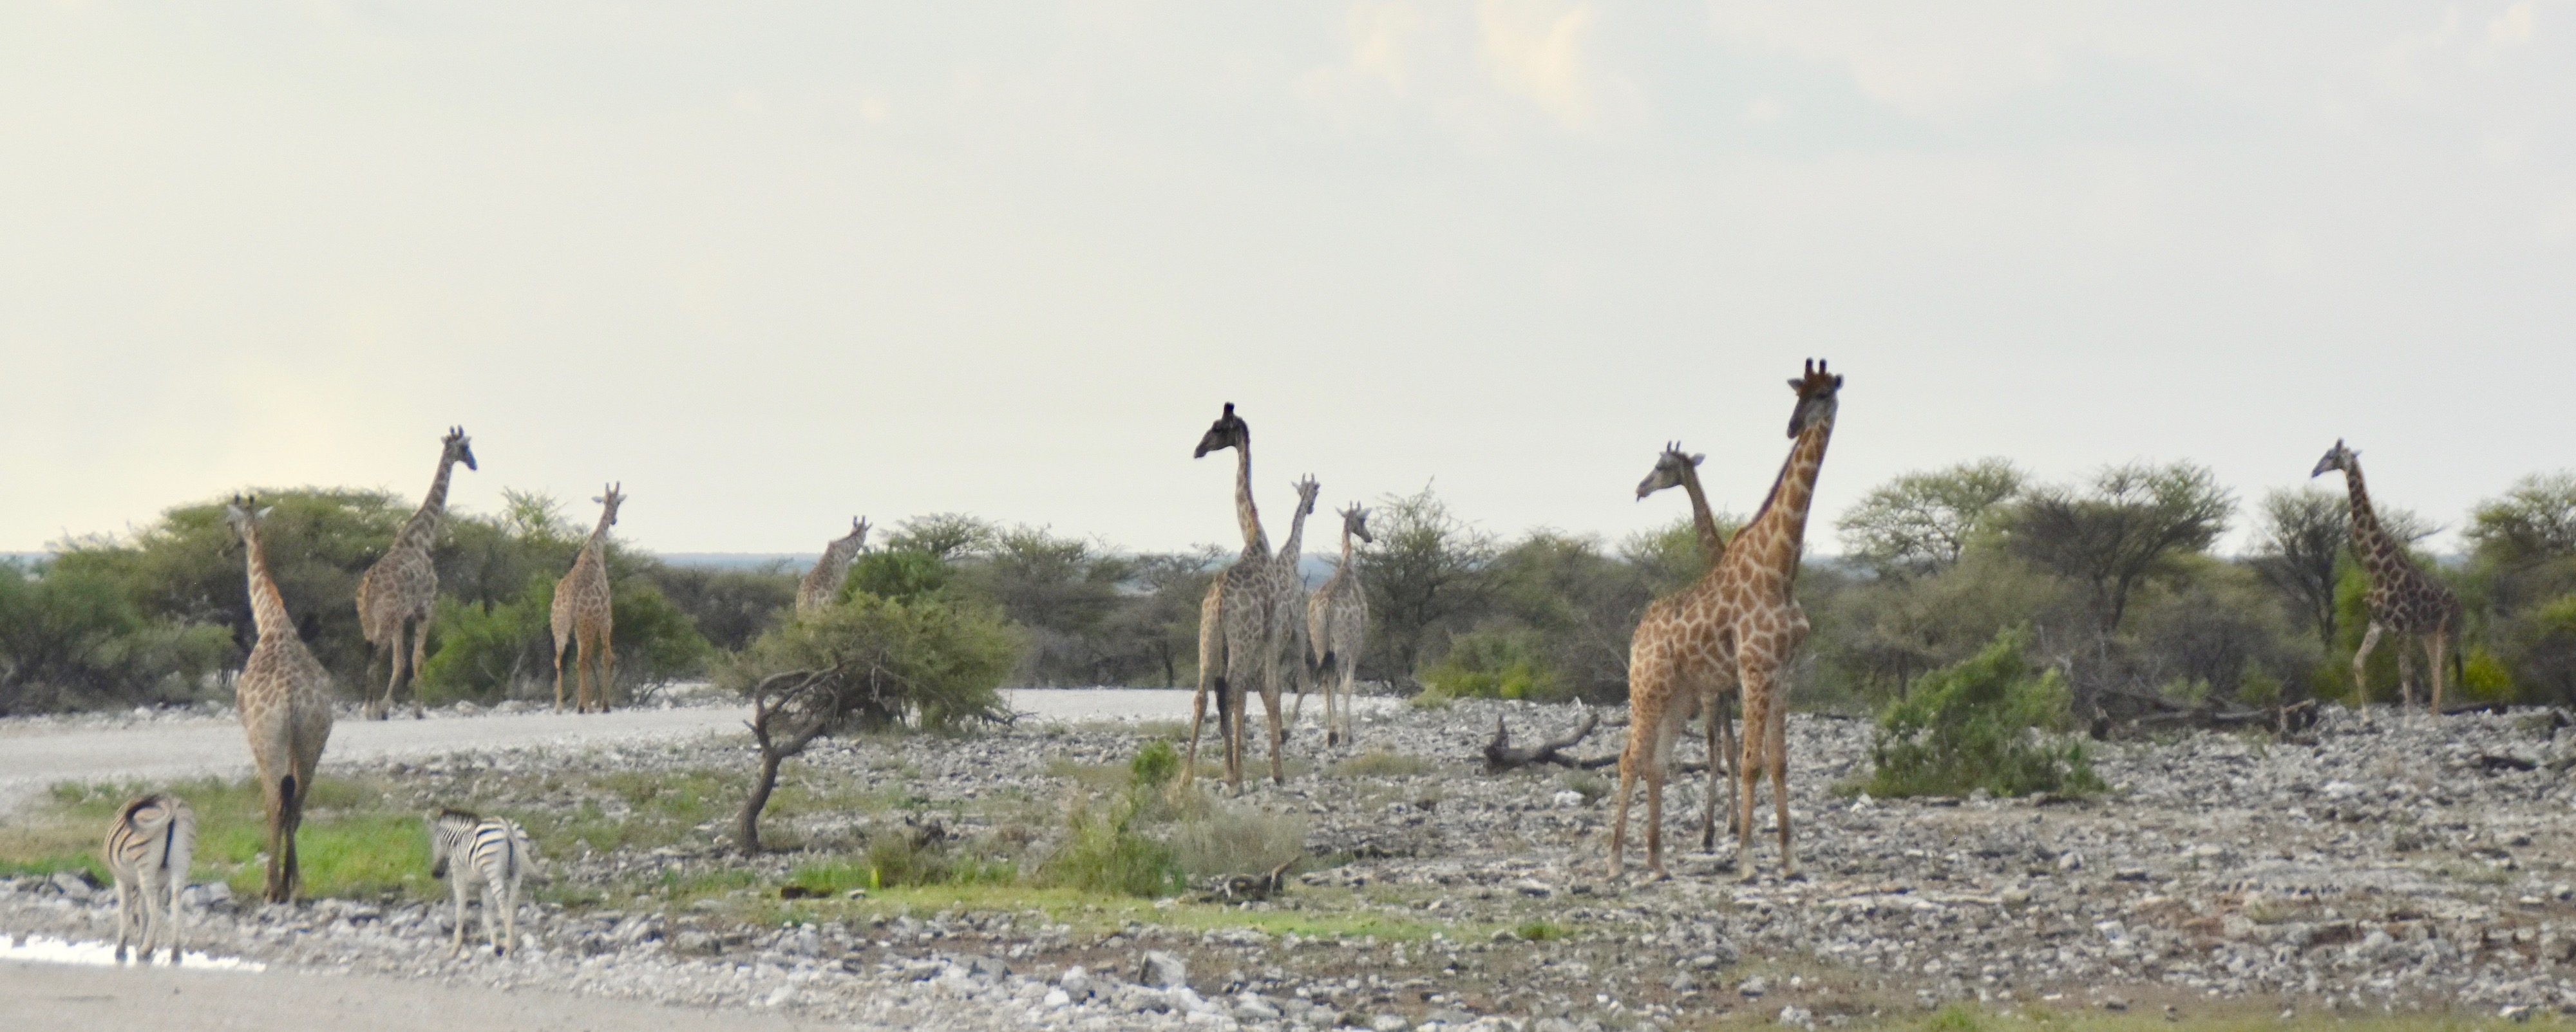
{"x": 2123, "y": 528}
{"x": 1921, "y": 523}
{"x": 1427, "y": 568}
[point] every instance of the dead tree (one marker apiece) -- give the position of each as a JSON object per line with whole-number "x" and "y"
{"x": 1500, "y": 756}
{"x": 788, "y": 711}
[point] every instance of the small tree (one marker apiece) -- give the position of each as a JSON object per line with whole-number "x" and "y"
{"x": 1980, "y": 724}
{"x": 2122, "y": 530}
{"x": 1923, "y": 522}
{"x": 1427, "y": 568}
{"x": 869, "y": 663}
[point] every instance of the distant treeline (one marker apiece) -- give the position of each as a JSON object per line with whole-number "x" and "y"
{"x": 2112, "y": 576}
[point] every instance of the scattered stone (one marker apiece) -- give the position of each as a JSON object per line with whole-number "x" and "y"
{"x": 1162, "y": 970}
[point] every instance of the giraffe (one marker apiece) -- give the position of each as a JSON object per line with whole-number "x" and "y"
{"x": 1238, "y": 629}
{"x": 1337, "y": 629}
{"x": 1291, "y": 603}
{"x": 582, "y": 613}
{"x": 284, "y": 697}
{"x": 822, "y": 584}
{"x": 2403, "y": 598}
{"x": 1745, "y": 613}
{"x": 401, "y": 590}
{"x": 1678, "y": 468}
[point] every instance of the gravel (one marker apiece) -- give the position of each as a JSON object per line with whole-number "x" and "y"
{"x": 2399, "y": 862}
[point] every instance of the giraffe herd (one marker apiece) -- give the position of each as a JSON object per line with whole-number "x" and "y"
{"x": 1723, "y": 641}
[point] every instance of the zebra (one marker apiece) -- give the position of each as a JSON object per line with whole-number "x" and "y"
{"x": 468, "y": 849}
{"x": 148, "y": 848}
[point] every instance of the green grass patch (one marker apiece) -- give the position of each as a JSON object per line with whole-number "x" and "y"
{"x": 1382, "y": 764}
{"x": 1539, "y": 931}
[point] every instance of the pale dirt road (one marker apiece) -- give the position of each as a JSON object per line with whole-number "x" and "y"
{"x": 71, "y": 996}
{"x": 33, "y": 756}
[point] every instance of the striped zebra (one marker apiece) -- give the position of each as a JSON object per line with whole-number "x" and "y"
{"x": 467, "y": 850}
{"x": 148, "y": 848}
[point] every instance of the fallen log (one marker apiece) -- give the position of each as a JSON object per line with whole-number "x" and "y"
{"x": 1500, "y": 755}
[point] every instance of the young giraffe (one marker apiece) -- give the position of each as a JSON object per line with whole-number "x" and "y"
{"x": 1238, "y": 629}
{"x": 1291, "y": 603}
{"x": 401, "y": 590}
{"x": 1337, "y": 629}
{"x": 822, "y": 584}
{"x": 1676, "y": 468}
{"x": 1745, "y": 611}
{"x": 2403, "y": 598}
{"x": 284, "y": 697}
{"x": 582, "y": 615}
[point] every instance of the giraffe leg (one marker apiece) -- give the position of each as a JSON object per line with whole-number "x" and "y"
{"x": 1776, "y": 746}
{"x": 1627, "y": 787}
{"x": 2406, "y": 669}
{"x": 1278, "y": 735}
{"x": 1721, "y": 738}
{"x": 1198, "y": 718}
{"x": 1350, "y": 693}
{"x": 1660, "y": 744}
{"x": 1748, "y": 768}
{"x": 2361, "y": 667}
{"x": 562, "y": 642}
{"x": 2437, "y": 647}
{"x": 607, "y": 671}
{"x": 419, "y": 658}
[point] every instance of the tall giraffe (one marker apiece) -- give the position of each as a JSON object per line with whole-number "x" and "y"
{"x": 582, "y": 614}
{"x": 2403, "y": 598}
{"x": 401, "y": 590}
{"x": 1744, "y": 612}
{"x": 1290, "y": 607}
{"x": 1337, "y": 630}
{"x": 284, "y": 697}
{"x": 1676, "y": 468}
{"x": 1238, "y": 629}
{"x": 822, "y": 584}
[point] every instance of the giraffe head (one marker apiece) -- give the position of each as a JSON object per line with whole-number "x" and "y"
{"x": 1228, "y": 431}
{"x": 609, "y": 503}
{"x": 243, "y": 513}
{"x": 1306, "y": 488}
{"x": 1668, "y": 470}
{"x": 855, "y": 539}
{"x": 2337, "y": 457}
{"x": 1355, "y": 523}
{"x": 460, "y": 448}
{"x": 1816, "y": 392}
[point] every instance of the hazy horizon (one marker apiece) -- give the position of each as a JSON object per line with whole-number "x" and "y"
{"x": 772, "y": 268}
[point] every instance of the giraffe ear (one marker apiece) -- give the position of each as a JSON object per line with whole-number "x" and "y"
{"x": 263, "y": 512}
{"x": 1697, "y": 459}
{"x": 1797, "y": 385}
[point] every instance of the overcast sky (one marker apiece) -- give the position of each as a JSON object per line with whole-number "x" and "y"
{"x": 775, "y": 265}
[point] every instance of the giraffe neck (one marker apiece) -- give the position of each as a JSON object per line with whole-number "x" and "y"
{"x": 835, "y": 564}
{"x": 423, "y": 527}
{"x": 1712, "y": 547}
{"x": 1255, "y": 543}
{"x": 593, "y": 550}
{"x": 1296, "y": 536}
{"x": 1778, "y": 533}
{"x": 267, "y": 608}
{"x": 2371, "y": 544}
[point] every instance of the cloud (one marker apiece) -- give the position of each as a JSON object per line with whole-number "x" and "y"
{"x": 1534, "y": 48}
{"x": 2513, "y": 26}
{"x": 1932, "y": 61}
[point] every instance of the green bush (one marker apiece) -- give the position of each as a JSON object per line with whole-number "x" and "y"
{"x": 1982, "y": 723}
{"x": 1107, "y": 852}
{"x": 488, "y": 652}
{"x": 903, "y": 575}
{"x": 932, "y": 663}
{"x": 1494, "y": 664}
{"x": 72, "y": 637}
{"x": 1154, "y": 764}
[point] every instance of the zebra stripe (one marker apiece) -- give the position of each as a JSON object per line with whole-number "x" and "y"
{"x": 148, "y": 849}
{"x": 470, "y": 850}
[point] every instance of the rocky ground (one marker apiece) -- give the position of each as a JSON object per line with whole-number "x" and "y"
{"x": 2395, "y": 863}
